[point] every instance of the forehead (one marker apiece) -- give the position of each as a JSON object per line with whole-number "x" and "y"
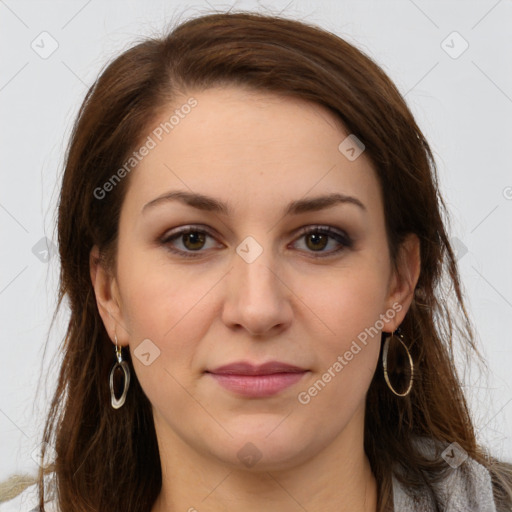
{"x": 242, "y": 146}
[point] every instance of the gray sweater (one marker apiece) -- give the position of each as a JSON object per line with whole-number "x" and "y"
{"x": 466, "y": 488}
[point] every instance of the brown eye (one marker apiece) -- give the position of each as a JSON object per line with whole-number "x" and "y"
{"x": 188, "y": 241}
{"x": 193, "y": 240}
{"x": 317, "y": 241}
{"x": 317, "y": 238}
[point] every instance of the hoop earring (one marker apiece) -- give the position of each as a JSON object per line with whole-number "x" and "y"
{"x": 400, "y": 337}
{"x": 119, "y": 402}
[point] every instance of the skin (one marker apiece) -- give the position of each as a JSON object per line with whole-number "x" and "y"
{"x": 257, "y": 152}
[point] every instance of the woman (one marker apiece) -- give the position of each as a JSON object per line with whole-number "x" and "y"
{"x": 252, "y": 247}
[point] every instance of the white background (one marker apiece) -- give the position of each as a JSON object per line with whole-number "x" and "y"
{"x": 463, "y": 105}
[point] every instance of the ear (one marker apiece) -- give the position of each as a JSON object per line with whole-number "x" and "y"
{"x": 403, "y": 280}
{"x": 107, "y": 298}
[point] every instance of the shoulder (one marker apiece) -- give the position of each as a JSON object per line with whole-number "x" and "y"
{"x": 27, "y": 501}
{"x": 466, "y": 486}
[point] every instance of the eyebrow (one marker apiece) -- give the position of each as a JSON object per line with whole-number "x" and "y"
{"x": 210, "y": 204}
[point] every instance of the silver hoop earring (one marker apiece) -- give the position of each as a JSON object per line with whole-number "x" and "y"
{"x": 400, "y": 337}
{"x": 119, "y": 402}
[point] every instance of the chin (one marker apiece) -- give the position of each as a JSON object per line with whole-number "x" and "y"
{"x": 265, "y": 448}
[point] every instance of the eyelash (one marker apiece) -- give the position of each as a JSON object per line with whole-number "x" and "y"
{"x": 340, "y": 236}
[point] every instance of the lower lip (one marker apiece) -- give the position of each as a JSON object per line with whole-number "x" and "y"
{"x": 257, "y": 386}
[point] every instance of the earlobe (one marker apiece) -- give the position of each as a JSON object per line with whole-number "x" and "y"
{"x": 410, "y": 264}
{"x": 94, "y": 259}
{"x": 405, "y": 277}
{"x": 105, "y": 290}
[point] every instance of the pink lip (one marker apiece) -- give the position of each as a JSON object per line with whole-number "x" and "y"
{"x": 257, "y": 381}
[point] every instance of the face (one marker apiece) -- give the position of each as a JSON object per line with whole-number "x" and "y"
{"x": 265, "y": 271}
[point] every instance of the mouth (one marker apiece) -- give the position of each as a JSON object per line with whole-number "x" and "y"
{"x": 257, "y": 381}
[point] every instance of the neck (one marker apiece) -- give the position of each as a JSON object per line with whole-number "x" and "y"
{"x": 337, "y": 479}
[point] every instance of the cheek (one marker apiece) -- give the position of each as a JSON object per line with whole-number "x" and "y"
{"x": 346, "y": 357}
{"x": 348, "y": 312}
{"x": 170, "y": 308}
{"x": 345, "y": 302}
{"x": 166, "y": 309}
{"x": 157, "y": 298}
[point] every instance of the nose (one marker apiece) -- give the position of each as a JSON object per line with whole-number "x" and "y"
{"x": 257, "y": 297}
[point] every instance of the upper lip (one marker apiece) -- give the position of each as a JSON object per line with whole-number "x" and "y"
{"x": 246, "y": 368}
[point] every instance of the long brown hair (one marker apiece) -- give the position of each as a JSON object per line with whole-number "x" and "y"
{"x": 108, "y": 459}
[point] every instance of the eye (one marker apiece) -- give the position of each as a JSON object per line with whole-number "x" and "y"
{"x": 193, "y": 239}
{"x": 317, "y": 238}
